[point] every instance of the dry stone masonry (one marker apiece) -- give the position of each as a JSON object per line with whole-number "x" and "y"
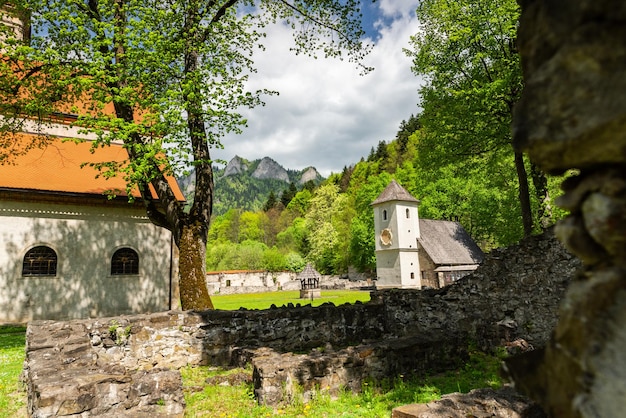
{"x": 128, "y": 366}
{"x": 573, "y": 116}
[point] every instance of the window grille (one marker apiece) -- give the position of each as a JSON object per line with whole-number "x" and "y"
{"x": 40, "y": 261}
{"x": 125, "y": 261}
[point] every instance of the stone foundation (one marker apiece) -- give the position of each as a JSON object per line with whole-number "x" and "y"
{"x": 115, "y": 365}
{"x": 280, "y": 377}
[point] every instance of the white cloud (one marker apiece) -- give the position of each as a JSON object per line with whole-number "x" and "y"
{"x": 327, "y": 115}
{"x": 402, "y": 8}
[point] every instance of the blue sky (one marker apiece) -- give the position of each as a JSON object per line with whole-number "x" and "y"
{"x": 327, "y": 115}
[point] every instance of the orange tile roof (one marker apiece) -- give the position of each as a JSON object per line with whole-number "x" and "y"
{"x": 57, "y": 168}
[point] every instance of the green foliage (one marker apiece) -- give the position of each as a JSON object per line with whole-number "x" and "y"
{"x": 327, "y": 223}
{"x": 244, "y": 192}
{"x": 294, "y": 262}
{"x": 300, "y": 202}
{"x": 12, "y": 392}
{"x": 274, "y": 260}
{"x": 466, "y": 52}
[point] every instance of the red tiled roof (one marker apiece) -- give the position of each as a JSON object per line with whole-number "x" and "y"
{"x": 57, "y": 168}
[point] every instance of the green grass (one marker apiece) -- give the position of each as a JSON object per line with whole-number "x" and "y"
{"x": 12, "y": 392}
{"x": 376, "y": 399}
{"x": 267, "y": 299}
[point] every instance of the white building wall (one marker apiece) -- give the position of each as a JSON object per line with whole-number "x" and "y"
{"x": 397, "y": 264}
{"x": 84, "y": 238}
{"x": 410, "y": 275}
{"x": 388, "y": 269}
{"x": 408, "y": 226}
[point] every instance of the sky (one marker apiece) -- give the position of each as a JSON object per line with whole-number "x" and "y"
{"x": 327, "y": 115}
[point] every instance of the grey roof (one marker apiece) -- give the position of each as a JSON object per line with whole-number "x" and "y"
{"x": 309, "y": 273}
{"x": 447, "y": 243}
{"x": 392, "y": 192}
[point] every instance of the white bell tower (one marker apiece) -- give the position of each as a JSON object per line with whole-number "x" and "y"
{"x": 396, "y": 225}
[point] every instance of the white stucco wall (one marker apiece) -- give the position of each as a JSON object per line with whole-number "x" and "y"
{"x": 397, "y": 264}
{"x": 84, "y": 238}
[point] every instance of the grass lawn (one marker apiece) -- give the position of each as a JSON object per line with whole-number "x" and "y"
{"x": 267, "y": 299}
{"x": 12, "y": 394}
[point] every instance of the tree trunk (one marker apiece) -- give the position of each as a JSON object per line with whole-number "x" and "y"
{"x": 193, "y": 291}
{"x": 544, "y": 210}
{"x": 524, "y": 195}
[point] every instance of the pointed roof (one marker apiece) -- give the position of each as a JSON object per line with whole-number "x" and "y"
{"x": 309, "y": 273}
{"x": 447, "y": 243}
{"x": 394, "y": 192}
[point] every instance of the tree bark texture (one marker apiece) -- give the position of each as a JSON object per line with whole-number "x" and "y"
{"x": 544, "y": 209}
{"x": 193, "y": 291}
{"x": 524, "y": 194}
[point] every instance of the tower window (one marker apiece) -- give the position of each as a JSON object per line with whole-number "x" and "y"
{"x": 40, "y": 261}
{"x": 384, "y": 215}
{"x": 407, "y": 213}
{"x": 125, "y": 261}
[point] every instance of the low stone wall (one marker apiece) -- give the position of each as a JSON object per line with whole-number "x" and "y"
{"x": 228, "y": 283}
{"x": 513, "y": 296}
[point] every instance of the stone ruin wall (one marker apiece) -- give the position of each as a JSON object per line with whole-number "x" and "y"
{"x": 572, "y": 115}
{"x": 128, "y": 365}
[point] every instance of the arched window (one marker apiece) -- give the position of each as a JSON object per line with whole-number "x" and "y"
{"x": 40, "y": 261}
{"x": 384, "y": 215}
{"x": 407, "y": 213}
{"x": 125, "y": 261}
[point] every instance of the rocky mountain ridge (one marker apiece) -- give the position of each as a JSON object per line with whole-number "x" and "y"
{"x": 244, "y": 184}
{"x": 268, "y": 168}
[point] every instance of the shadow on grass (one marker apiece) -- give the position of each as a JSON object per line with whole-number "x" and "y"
{"x": 12, "y": 336}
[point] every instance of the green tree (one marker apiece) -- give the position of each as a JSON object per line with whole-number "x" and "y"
{"x": 288, "y": 194}
{"x": 466, "y": 52}
{"x": 251, "y": 226}
{"x": 271, "y": 202}
{"x": 362, "y": 245}
{"x": 327, "y": 222}
{"x": 274, "y": 260}
{"x": 300, "y": 202}
{"x": 175, "y": 73}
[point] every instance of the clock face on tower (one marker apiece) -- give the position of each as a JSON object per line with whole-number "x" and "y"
{"x": 386, "y": 236}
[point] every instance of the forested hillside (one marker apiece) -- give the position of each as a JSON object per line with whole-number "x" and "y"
{"x": 455, "y": 156}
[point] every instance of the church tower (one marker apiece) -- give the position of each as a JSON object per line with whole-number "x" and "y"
{"x": 396, "y": 225}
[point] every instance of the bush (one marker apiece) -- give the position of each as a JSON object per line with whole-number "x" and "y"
{"x": 273, "y": 260}
{"x": 294, "y": 262}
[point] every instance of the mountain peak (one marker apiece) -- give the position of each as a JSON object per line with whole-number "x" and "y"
{"x": 309, "y": 174}
{"x": 270, "y": 169}
{"x": 236, "y": 166}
